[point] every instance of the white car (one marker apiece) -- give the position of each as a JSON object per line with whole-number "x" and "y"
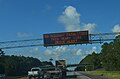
{"x": 36, "y": 72}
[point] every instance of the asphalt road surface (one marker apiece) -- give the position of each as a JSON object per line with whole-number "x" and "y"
{"x": 82, "y": 75}
{"x": 74, "y": 75}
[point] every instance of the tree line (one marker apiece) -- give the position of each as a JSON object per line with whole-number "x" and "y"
{"x": 108, "y": 58}
{"x": 19, "y": 65}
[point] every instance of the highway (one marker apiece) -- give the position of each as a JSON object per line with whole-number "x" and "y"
{"x": 83, "y": 75}
{"x": 76, "y": 75}
{"x": 70, "y": 75}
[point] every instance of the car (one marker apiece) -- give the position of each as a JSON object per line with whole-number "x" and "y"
{"x": 35, "y": 72}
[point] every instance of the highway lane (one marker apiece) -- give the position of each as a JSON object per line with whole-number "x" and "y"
{"x": 83, "y": 75}
{"x": 76, "y": 75}
{"x": 72, "y": 75}
{"x": 95, "y": 76}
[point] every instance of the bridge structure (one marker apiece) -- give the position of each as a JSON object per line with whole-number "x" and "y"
{"x": 78, "y": 65}
{"x": 93, "y": 38}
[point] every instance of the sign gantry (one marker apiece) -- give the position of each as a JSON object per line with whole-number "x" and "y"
{"x": 58, "y": 39}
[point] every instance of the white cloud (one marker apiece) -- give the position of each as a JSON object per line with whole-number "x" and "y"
{"x": 57, "y": 52}
{"x": 64, "y": 52}
{"x": 78, "y": 52}
{"x": 35, "y": 51}
{"x": 48, "y": 52}
{"x": 19, "y": 34}
{"x": 93, "y": 49}
{"x": 116, "y": 28}
{"x": 83, "y": 52}
{"x": 89, "y": 26}
{"x": 70, "y": 54}
{"x": 71, "y": 20}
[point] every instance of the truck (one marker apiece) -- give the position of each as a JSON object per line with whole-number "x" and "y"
{"x": 52, "y": 74}
{"x": 59, "y": 72}
{"x": 36, "y": 72}
{"x": 47, "y": 72}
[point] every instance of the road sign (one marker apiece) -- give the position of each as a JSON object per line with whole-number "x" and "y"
{"x": 66, "y": 38}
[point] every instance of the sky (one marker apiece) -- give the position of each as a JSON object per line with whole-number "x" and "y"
{"x": 29, "y": 19}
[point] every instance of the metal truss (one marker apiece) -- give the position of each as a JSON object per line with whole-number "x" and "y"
{"x": 93, "y": 38}
{"x": 102, "y": 37}
{"x": 20, "y": 43}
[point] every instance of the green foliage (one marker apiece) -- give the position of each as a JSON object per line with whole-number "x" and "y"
{"x": 2, "y": 69}
{"x": 17, "y": 65}
{"x": 110, "y": 55}
{"x": 109, "y": 74}
{"x": 108, "y": 58}
{"x": 82, "y": 68}
{"x": 90, "y": 68}
{"x": 92, "y": 59}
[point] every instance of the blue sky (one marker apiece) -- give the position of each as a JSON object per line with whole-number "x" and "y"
{"x": 26, "y": 19}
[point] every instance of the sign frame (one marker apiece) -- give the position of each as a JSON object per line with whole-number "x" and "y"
{"x": 66, "y": 38}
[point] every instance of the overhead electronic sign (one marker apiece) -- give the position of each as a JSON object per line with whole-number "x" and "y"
{"x": 66, "y": 38}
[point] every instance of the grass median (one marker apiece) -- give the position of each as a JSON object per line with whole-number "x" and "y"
{"x": 111, "y": 74}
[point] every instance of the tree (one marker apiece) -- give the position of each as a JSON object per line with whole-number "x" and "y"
{"x": 92, "y": 59}
{"x": 110, "y": 55}
{"x": 17, "y": 65}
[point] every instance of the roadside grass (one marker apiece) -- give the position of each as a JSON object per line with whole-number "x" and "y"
{"x": 23, "y": 78}
{"x": 111, "y": 74}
